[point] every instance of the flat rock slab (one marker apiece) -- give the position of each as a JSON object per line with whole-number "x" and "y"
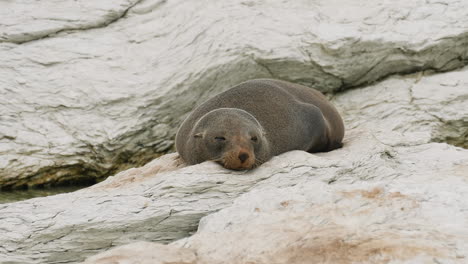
{"x": 389, "y": 194}
{"x": 412, "y": 216}
{"x": 92, "y": 88}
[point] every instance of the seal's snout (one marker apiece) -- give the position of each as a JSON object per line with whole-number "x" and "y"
{"x": 243, "y": 156}
{"x": 240, "y": 159}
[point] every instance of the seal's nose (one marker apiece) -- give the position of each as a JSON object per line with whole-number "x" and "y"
{"x": 243, "y": 157}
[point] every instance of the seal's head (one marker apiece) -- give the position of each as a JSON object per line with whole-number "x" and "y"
{"x": 230, "y": 136}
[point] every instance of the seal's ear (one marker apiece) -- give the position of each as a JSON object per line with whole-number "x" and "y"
{"x": 198, "y": 135}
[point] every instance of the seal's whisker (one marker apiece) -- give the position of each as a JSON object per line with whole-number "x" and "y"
{"x": 216, "y": 159}
{"x": 219, "y": 160}
{"x": 257, "y": 163}
{"x": 259, "y": 160}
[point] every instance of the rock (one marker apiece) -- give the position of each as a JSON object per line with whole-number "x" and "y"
{"x": 412, "y": 109}
{"x": 22, "y": 21}
{"x": 402, "y": 216}
{"x": 135, "y": 204}
{"x": 146, "y": 253}
{"x": 390, "y": 194}
{"x": 407, "y": 213}
{"x": 90, "y": 89}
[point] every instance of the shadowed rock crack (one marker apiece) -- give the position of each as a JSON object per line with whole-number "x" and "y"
{"x": 113, "y": 19}
{"x": 459, "y": 126}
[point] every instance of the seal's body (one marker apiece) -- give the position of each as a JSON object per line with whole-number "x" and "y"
{"x": 256, "y": 120}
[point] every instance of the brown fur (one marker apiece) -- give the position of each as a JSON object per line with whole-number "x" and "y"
{"x": 281, "y": 116}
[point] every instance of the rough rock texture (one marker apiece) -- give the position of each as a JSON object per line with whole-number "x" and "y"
{"x": 390, "y": 195}
{"x": 90, "y": 88}
{"x": 147, "y": 253}
{"x": 22, "y": 21}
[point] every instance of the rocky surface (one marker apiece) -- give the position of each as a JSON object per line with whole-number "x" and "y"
{"x": 22, "y": 21}
{"x": 390, "y": 194}
{"x": 91, "y": 88}
{"x": 413, "y": 214}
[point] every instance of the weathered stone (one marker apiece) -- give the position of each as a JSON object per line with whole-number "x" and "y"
{"x": 412, "y": 109}
{"x": 413, "y": 214}
{"x": 412, "y": 210}
{"x": 91, "y": 88}
{"x": 22, "y": 21}
{"x": 122, "y": 209}
{"x": 146, "y": 253}
{"x": 389, "y": 193}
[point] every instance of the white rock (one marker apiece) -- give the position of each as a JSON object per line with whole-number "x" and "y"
{"x": 412, "y": 214}
{"x": 386, "y": 196}
{"x": 412, "y": 210}
{"x": 146, "y": 253}
{"x": 21, "y": 21}
{"x": 100, "y": 86}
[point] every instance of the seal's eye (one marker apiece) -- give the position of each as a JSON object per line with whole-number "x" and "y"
{"x": 220, "y": 138}
{"x": 254, "y": 139}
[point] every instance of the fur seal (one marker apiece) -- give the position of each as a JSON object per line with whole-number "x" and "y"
{"x": 253, "y": 121}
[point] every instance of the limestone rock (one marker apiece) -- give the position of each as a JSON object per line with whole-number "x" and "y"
{"x": 146, "y": 253}
{"x": 92, "y": 88}
{"x": 21, "y": 21}
{"x": 403, "y": 216}
{"x": 389, "y": 194}
{"x": 413, "y": 210}
{"x": 155, "y": 203}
